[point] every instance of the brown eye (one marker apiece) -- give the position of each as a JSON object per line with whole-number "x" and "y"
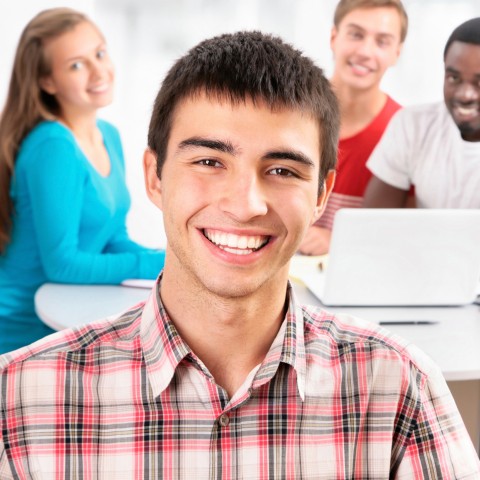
{"x": 282, "y": 172}
{"x": 208, "y": 162}
{"x": 452, "y": 79}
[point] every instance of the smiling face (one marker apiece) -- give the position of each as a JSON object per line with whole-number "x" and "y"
{"x": 365, "y": 44}
{"x": 462, "y": 88}
{"x": 239, "y": 189}
{"x": 82, "y": 74}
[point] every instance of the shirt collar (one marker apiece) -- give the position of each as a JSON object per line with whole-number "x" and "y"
{"x": 164, "y": 349}
{"x": 162, "y": 346}
{"x": 288, "y": 347}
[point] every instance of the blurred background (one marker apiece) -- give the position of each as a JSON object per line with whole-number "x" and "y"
{"x": 146, "y": 36}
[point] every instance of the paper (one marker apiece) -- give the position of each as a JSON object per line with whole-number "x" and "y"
{"x": 138, "y": 283}
{"x": 300, "y": 265}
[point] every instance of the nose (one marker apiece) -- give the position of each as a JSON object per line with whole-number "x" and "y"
{"x": 366, "y": 46}
{"x": 466, "y": 93}
{"x": 243, "y": 197}
{"x": 97, "y": 69}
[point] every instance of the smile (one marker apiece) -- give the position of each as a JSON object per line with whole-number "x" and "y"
{"x": 466, "y": 111}
{"x": 99, "y": 88}
{"x": 236, "y": 244}
{"x": 359, "y": 68}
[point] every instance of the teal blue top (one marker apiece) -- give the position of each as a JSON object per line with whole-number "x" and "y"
{"x": 69, "y": 226}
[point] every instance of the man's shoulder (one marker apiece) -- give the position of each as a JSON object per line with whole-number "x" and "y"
{"x": 425, "y": 113}
{"x": 341, "y": 333}
{"x": 92, "y": 340}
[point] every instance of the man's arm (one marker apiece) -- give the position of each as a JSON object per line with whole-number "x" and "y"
{"x": 382, "y": 195}
{"x": 439, "y": 445}
{"x": 5, "y": 472}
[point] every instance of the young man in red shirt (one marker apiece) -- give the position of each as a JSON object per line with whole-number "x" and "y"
{"x": 366, "y": 40}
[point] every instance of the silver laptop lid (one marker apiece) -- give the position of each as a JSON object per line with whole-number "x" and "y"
{"x": 383, "y": 257}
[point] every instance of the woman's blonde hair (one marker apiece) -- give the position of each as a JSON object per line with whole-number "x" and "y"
{"x": 27, "y": 104}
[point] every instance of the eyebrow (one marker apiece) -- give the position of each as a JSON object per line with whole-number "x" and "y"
{"x": 294, "y": 155}
{"x": 381, "y": 34}
{"x": 219, "y": 145}
{"x": 80, "y": 57}
{"x": 228, "y": 147}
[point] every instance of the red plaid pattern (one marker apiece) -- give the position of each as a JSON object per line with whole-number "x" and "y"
{"x": 335, "y": 398}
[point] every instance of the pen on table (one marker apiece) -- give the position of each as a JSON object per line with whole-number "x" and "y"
{"x": 407, "y": 322}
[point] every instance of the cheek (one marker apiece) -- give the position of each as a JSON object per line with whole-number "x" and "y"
{"x": 388, "y": 58}
{"x": 111, "y": 70}
{"x": 447, "y": 92}
{"x": 186, "y": 196}
{"x": 299, "y": 212}
{"x": 343, "y": 51}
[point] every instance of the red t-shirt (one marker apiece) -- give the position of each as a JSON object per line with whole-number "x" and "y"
{"x": 352, "y": 173}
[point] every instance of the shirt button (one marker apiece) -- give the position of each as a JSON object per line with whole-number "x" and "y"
{"x": 224, "y": 420}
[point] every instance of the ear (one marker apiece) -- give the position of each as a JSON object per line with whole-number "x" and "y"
{"x": 153, "y": 185}
{"x": 398, "y": 52}
{"x": 47, "y": 84}
{"x": 323, "y": 197}
{"x": 333, "y": 36}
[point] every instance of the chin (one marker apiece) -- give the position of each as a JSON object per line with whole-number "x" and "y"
{"x": 231, "y": 289}
{"x": 469, "y": 132}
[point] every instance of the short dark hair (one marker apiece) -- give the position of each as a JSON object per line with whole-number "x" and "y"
{"x": 253, "y": 65}
{"x": 467, "y": 32}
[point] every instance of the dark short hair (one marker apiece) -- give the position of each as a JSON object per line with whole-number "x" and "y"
{"x": 253, "y": 65}
{"x": 467, "y": 32}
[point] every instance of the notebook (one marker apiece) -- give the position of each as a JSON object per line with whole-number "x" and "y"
{"x": 400, "y": 257}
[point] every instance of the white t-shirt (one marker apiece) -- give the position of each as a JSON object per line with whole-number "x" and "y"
{"x": 423, "y": 146}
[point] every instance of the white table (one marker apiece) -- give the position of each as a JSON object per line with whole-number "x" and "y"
{"x": 63, "y": 306}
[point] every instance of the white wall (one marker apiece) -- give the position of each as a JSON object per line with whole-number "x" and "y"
{"x": 146, "y": 36}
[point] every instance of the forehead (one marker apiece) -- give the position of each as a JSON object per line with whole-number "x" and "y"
{"x": 250, "y": 124}
{"x": 379, "y": 19}
{"x": 463, "y": 57}
{"x": 76, "y": 42}
{"x": 217, "y": 106}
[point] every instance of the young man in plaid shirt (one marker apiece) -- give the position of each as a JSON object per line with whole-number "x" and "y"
{"x": 221, "y": 374}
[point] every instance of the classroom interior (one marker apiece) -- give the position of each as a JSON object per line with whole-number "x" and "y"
{"x": 146, "y": 36}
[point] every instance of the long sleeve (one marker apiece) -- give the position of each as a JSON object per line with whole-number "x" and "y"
{"x": 439, "y": 445}
{"x": 70, "y": 250}
{"x": 5, "y": 472}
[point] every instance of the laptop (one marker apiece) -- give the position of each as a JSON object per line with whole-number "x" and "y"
{"x": 400, "y": 257}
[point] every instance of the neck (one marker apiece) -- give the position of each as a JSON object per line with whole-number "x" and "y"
{"x": 84, "y": 127}
{"x": 357, "y": 107}
{"x": 230, "y": 335}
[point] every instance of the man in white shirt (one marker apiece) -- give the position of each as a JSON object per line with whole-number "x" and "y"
{"x": 435, "y": 147}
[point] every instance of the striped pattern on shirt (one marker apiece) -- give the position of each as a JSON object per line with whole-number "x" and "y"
{"x": 335, "y": 398}
{"x": 336, "y": 201}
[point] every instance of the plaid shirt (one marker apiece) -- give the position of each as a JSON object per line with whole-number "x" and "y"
{"x": 335, "y": 398}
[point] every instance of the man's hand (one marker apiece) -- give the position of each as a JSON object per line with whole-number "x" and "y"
{"x": 316, "y": 241}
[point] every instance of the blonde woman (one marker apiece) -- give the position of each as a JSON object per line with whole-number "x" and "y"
{"x": 63, "y": 199}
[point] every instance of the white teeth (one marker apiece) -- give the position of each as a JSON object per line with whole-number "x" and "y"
{"x": 360, "y": 67}
{"x": 251, "y": 243}
{"x": 466, "y": 110}
{"x": 236, "y": 251}
{"x": 239, "y": 244}
{"x": 99, "y": 88}
{"x": 231, "y": 240}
